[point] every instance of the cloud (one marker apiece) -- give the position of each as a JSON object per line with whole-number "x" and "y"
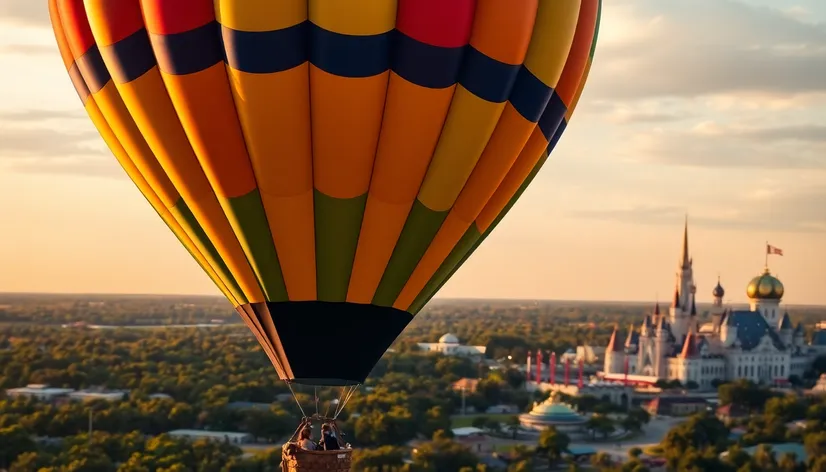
{"x": 35, "y": 115}
{"x": 39, "y": 141}
{"x": 25, "y": 12}
{"x": 711, "y": 145}
{"x": 29, "y": 49}
{"x": 686, "y": 48}
{"x": 46, "y": 143}
{"x": 784, "y": 210}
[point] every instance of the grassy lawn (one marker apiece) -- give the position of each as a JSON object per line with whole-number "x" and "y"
{"x": 467, "y": 420}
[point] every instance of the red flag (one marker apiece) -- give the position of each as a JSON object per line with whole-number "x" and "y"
{"x": 773, "y": 250}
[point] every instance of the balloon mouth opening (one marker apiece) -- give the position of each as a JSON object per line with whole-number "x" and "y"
{"x": 316, "y": 343}
{"x": 324, "y": 382}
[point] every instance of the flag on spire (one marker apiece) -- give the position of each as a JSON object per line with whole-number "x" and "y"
{"x": 773, "y": 250}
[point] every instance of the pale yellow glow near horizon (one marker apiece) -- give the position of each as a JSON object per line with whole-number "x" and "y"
{"x": 603, "y": 221}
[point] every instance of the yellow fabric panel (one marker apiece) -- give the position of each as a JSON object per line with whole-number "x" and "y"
{"x": 553, "y": 35}
{"x": 469, "y": 125}
{"x": 354, "y": 17}
{"x": 260, "y": 15}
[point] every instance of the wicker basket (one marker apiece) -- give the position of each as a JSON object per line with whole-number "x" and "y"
{"x": 295, "y": 459}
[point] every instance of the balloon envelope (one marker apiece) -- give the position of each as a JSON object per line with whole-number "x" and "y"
{"x": 328, "y": 163}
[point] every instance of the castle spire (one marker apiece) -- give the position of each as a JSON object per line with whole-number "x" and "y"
{"x": 676, "y": 302}
{"x": 613, "y": 344}
{"x": 693, "y": 305}
{"x": 685, "y": 261}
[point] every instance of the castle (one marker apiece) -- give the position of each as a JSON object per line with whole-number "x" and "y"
{"x": 759, "y": 344}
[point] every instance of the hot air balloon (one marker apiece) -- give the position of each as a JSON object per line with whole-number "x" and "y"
{"x": 328, "y": 163}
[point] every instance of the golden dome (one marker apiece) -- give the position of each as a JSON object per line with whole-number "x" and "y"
{"x": 765, "y": 287}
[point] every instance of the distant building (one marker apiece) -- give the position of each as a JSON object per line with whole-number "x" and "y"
{"x": 614, "y": 392}
{"x": 590, "y": 354}
{"x": 467, "y": 384}
{"x": 552, "y": 412}
{"x": 502, "y": 410}
{"x": 89, "y": 395}
{"x": 759, "y": 344}
{"x": 225, "y": 436}
{"x": 40, "y": 392}
{"x": 677, "y": 405}
{"x": 819, "y": 388}
{"x": 474, "y": 439}
{"x": 449, "y": 345}
{"x": 249, "y": 406}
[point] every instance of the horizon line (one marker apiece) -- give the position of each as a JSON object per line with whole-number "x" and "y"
{"x": 500, "y": 299}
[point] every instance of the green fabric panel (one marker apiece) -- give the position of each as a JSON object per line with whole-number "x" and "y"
{"x": 249, "y": 221}
{"x": 337, "y": 229}
{"x": 596, "y": 31}
{"x": 419, "y": 230}
{"x": 184, "y": 216}
{"x": 468, "y": 244}
{"x": 452, "y": 261}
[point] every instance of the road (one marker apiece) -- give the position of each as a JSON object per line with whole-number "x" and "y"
{"x": 652, "y": 434}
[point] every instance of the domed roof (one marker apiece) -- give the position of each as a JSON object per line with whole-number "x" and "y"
{"x": 765, "y": 287}
{"x": 718, "y": 291}
{"x": 550, "y": 412}
{"x": 448, "y": 338}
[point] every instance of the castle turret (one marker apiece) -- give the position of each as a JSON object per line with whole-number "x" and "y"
{"x": 765, "y": 292}
{"x": 718, "y": 293}
{"x": 786, "y": 330}
{"x": 614, "y": 354}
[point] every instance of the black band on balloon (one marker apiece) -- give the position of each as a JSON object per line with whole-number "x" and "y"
{"x": 330, "y": 343}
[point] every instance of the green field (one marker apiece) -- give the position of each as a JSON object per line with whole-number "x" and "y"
{"x": 467, "y": 420}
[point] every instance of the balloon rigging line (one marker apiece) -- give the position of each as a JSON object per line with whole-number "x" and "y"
{"x": 289, "y": 384}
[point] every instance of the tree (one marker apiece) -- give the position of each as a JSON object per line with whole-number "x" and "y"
{"x": 443, "y": 454}
{"x": 553, "y": 443}
{"x": 385, "y": 456}
{"x": 15, "y": 441}
{"x": 600, "y": 424}
{"x": 512, "y": 426}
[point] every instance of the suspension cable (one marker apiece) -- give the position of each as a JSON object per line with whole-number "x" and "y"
{"x": 289, "y": 384}
{"x": 341, "y": 405}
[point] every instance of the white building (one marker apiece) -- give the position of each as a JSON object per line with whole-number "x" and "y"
{"x": 84, "y": 395}
{"x": 225, "y": 436}
{"x": 759, "y": 344}
{"x": 449, "y": 345}
{"x": 40, "y": 392}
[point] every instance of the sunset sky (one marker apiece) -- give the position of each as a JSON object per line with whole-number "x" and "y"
{"x": 714, "y": 108}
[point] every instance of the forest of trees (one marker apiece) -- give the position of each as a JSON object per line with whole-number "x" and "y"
{"x": 218, "y": 379}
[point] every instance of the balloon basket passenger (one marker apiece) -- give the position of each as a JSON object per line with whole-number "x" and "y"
{"x": 329, "y": 453}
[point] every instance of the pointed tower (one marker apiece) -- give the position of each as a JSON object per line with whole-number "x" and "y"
{"x": 685, "y": 259}
{"x": 614, "y": 354}
{"x": 693, "y": 306}
{"x": 680, "y": 311}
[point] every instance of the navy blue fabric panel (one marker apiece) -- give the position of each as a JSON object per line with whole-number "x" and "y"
{"x": 487, "y": 78}
{"x": 423, "y": 64}
{"x": 300, "y": 346}
{"x": 93, "y": 70}
{"x": 530, "y": 95}
{"x": 79, "y": 83}
{"x": 553, "y": 115}
{"x": 189, "y": 52}
{"x": 130, "y": 57}
{"x": 559, "y": 131}
{"x": 263, "y": 52}
{"x": 347, "y": 55}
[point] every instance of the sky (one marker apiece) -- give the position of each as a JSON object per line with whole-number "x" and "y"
{"x": 711, "y": 108}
